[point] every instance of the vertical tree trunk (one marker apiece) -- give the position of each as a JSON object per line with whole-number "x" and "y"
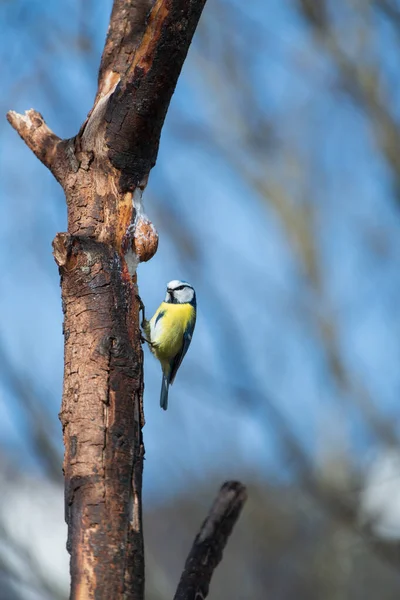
{"x": 103, "y": 438}
{"x": 103, "y": 171}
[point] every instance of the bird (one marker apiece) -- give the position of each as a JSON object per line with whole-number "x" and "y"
{"x": 169, "y": 332}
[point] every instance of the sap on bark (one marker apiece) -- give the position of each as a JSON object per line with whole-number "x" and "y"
{"x": 141, "y": 238}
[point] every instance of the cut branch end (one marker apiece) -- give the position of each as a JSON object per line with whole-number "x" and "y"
{"x": 37, "y": 135}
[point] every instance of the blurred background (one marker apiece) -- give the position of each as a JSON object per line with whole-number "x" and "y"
{"x": 277, "y": 195}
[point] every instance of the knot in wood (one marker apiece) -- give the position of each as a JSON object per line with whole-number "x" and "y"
{"x": 62, "y": 245}
{"x": 145, "y": 240}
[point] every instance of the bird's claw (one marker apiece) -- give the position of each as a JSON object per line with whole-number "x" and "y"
{"x": 143, "y": 340}
{"x": 141, "y": 309}
{"x": 141, "y": 305}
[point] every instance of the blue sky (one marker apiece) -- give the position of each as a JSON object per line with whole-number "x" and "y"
{"x": 251, "y": 328}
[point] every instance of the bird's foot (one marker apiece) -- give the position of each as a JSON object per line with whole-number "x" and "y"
{"x": 141, "y": 309}
{"x": 143, "y": 340}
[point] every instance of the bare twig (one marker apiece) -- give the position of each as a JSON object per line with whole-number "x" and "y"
{"x": 206, "y": 552}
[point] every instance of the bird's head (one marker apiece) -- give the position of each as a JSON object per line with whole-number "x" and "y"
{"x": 180, "y": 292}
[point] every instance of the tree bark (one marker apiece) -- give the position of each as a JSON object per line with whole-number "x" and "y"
{"x": 103, "y": 171}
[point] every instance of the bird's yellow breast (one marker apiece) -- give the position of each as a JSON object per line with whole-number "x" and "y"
{"x": 168, "y": 330}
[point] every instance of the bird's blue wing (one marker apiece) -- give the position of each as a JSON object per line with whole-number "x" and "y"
{"x": 187, "y": 338}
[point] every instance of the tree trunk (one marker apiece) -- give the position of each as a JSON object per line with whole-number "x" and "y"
{"x": 103, "y": 171}
{"x": 102, "y": 418}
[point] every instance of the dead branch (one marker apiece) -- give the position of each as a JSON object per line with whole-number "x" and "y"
{"x": 37, "y": 136}
{"x": 207, "y": 549}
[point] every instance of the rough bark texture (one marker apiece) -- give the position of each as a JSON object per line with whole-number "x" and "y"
{"x": 137, "y": 109}
{"x": 206, "y": 552}
{"x": 103, "y": 171}
{"x": 103, "y": 439}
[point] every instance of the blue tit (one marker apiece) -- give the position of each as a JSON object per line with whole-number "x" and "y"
{"x": 169, "y": 332}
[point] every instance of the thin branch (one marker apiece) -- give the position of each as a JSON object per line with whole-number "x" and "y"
{"x": 37, "y": 136}
{"x": 206, "y": 552}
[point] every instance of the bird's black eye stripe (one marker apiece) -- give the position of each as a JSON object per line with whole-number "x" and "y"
{"x": 179, "y": 288}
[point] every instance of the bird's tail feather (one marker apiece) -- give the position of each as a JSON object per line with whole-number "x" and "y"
{"x": 164, "y": 392}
